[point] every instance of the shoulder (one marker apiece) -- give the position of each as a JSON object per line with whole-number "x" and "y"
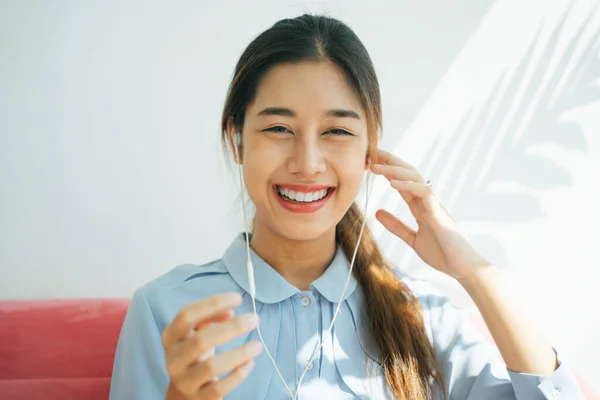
{"x": 440, "y": 316}
{"x": 423, "y": 291}
{"x": 450, "y": 328}
{"x": 162, "y": 298}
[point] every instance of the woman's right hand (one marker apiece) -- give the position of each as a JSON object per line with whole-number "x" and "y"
{"x": 189, "y": 343}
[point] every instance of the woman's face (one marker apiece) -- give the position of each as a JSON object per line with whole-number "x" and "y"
{"x": 304, "y": 149}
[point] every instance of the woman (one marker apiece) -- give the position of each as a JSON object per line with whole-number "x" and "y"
{"x": 302, "y": 118}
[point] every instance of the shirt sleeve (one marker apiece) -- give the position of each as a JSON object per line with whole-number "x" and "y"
{"x": 139, "y": 370}
{"x": 473, "y": 369}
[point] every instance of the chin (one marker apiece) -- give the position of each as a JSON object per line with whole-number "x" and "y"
{"x": 305, "y": 232}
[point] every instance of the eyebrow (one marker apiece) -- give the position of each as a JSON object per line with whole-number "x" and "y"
{"x": 286, "y": 112}
{"x": 281, "y": 111}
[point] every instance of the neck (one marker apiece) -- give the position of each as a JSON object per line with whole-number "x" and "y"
{"x": 300, "y": 262}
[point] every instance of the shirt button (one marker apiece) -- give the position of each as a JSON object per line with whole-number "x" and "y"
{"x": 309, "y": 366}
{"x": 556, "y": 394}
{"x": 305, "y": 301}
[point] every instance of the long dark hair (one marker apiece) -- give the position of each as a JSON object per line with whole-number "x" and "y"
{"x": 397, "y": 327}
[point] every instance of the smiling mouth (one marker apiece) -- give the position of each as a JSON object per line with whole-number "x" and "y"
{"x": 303, "y": 197}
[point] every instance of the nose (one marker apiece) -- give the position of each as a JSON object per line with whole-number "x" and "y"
{"x": 307, "y": 158}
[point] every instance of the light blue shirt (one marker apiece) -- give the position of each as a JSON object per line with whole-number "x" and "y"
{"x": 292, "y": 323}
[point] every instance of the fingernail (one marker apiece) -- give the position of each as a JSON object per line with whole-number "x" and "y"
{"x": 250, "y": 319}
{"x": 234, "y": 298}
{"x": 254, "y": 348}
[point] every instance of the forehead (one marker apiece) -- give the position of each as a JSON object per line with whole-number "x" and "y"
{"x": 306, "y": 87}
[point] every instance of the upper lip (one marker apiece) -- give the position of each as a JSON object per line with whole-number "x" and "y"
{"x": 304, "y": 188}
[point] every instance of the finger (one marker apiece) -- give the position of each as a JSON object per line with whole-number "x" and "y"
{"x": 193, "y": 314}
{"x": 424, "y": 193}
{"x": 396, "y": 226}
{"x": 222, "y": 387}
{"x": 210, "y": 369}
{"x": 191, "y": 350}
{"x": 385, "y": 157}
{"x": 415, "y": 188}
{"x": 210, "y": 352}
{"x": 173, "y": 353}
{"x": 225, "y": 316}
{"x": 392, "y": 172}
{"x": 217, "y": 334}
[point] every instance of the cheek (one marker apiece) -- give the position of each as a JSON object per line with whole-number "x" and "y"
{"x": 258, "y": 172}
{"x": 351, "y": 179}
{"x": 350, "y": 172}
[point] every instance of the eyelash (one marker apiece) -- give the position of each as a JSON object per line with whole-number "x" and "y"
{"x": 340, "y": 132}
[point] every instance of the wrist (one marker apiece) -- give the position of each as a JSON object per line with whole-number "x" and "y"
{"x": 478, "y": 276}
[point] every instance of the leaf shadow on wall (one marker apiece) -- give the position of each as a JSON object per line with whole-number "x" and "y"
{"x": 483, "y": 158}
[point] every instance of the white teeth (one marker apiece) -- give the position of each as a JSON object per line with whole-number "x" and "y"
{"x": 301, "y": 196}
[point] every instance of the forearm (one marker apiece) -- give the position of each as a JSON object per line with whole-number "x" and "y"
{"x": 522, "y": 347}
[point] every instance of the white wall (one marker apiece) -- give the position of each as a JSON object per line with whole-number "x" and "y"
{"x": 111, "y": 174}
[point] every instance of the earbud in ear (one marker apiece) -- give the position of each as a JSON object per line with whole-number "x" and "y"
{"x": 237, "y": 145}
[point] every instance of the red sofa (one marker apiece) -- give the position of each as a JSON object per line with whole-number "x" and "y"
{"x": 58, "y": 349}
{"x": 64, "y": 349}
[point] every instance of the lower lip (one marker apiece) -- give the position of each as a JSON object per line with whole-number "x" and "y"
{"x": 303, "y": 207}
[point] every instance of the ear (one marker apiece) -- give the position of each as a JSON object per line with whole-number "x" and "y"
{"x": 234, "y": 138}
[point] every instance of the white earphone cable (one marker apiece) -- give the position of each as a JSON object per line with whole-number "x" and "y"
{"x": 362, "y": 229}
{"x": 252, "y": 289}
{"x": 250, "y": 269}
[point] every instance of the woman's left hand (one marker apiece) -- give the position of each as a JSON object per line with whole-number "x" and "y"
{"x": 438, "y": 240}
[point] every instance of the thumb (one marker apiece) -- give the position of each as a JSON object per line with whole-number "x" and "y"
{"x": 396, "y": 226}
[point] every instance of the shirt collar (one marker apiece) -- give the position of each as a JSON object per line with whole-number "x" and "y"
{"x": 271, "y": 287}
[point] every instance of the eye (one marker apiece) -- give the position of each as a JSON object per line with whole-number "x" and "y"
{"x": 339, "y": 132}
{"x": 278, "y": 129}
